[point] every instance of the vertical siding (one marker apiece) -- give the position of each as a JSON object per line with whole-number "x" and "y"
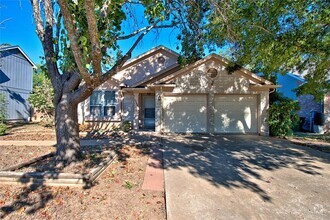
{"x": 16, "y": 83}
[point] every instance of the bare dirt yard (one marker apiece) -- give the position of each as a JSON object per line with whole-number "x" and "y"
{"x": 28, "y": 132}
{"x": 116, "y": 194}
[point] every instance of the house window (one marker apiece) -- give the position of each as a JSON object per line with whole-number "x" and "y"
{"x": 103, "y": 103}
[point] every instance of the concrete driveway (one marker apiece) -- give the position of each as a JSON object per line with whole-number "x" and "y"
{"x": 244, "y": 177}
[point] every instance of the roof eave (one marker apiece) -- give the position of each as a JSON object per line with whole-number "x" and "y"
{"x": 24, "y": 54}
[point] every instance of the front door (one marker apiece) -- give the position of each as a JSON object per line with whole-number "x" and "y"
{"x": 149, "y": 111}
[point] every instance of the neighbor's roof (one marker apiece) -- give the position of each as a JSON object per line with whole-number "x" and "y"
{"x": 21, "y": 51}
{"x": 296, "y": 76}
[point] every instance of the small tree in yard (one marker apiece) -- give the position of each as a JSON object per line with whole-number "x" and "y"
{"x": 42, "y": 97}
{"x": 3, "y": 114}
{"x": 81, "y": 41}
{"x": 283, "y": 117}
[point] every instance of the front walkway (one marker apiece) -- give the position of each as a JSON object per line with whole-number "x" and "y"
{"x": 244, "y": 177}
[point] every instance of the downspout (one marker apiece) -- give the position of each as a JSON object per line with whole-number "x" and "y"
{"x": 272, "y": 91}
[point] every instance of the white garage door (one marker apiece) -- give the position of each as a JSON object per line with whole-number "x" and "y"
{"x": 235, "y": 114}
{"x": 185, "y": 113}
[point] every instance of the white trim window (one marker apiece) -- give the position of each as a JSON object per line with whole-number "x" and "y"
{"x": 103, "y": 104}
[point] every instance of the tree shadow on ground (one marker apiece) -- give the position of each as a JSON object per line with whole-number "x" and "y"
{"x": 233, "y": 161}
{"x": 35, "y": 194}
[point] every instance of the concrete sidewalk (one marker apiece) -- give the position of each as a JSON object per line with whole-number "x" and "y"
{"x": 244, "y": 177}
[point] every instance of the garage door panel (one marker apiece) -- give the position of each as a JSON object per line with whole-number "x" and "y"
{"x": 186, "y": 113}
{"x": 234, "y": 114}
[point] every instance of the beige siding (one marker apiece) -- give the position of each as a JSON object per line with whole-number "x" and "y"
{"x": 128, "y": 107}
{"x": 146, "y": 68}
{"x": 197, "y": 81}
{"x": 263, "y": 113}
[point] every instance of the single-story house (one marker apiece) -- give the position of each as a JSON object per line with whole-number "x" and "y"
{"x": 308, "y": 106}
{"x": 16, "y": 81}
{"x": 153, "y": 92}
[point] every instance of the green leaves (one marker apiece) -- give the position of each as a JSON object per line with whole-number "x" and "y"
{"x": 276, "y": 36}
{"x": 283, "y": 117}
{"x": 83, "y": 40}
{"x": 3, "y": 108}
{"x": 154, "y": 10}
{"x": 42, "y": 96}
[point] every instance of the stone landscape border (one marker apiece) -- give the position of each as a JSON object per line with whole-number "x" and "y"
{"x": 9, "y": 176}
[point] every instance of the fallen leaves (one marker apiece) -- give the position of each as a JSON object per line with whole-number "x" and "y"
{"x": 108, "y": 198}
{"x": 20, "y": 210}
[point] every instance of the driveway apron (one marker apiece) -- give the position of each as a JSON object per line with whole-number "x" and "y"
{"x": 244, "y": 177}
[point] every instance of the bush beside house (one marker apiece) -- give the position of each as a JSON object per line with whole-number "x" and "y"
{"x": 283, "y": 117}
{"x": 3, "y": 114}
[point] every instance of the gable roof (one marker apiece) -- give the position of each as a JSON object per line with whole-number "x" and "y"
{"x": 252, "y": 76}
{"x": 156, "y": 73}
{"x": 147, "y": 54}
{"x": 297, "y": 77}
{"x": 21, "y": 51}
{"x": 160, "y": 75}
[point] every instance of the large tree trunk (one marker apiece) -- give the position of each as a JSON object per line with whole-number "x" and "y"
{"x": 67, "y": 131}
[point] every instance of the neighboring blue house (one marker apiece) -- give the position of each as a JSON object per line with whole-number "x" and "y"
{"x": 289, "y": 82}
{"x": 308, "y": 106}
{"x": 16, "y": 78}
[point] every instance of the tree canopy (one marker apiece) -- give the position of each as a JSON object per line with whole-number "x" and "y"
{"x": 269, "y": 36}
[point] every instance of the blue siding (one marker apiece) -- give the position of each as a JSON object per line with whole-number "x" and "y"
{"x": 16, "y": 75}
{"x": 288, "y": 84}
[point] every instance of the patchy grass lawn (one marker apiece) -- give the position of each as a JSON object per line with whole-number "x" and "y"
{"x": 28, "y": 132}
{"x": 312, "y": 136}
{"x": 117, "y": 194}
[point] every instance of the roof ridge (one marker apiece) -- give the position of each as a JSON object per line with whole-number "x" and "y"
{"x": 20, "y": 49}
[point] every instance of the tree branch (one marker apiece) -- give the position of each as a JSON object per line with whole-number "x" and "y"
{"x": 133, "y": 2}
{"x": 85, "y": 91}
{"x": 45, "y": 33}
{"x": 72, "y": 82}
{"x": 58, "y": 31}
{"x": 37, "y": 17}
{"x": 126, "y": 57}
{"x": 144, "y": 29}
{"x": 93, "y": 34}
{"x": 3, "y": 21}
{"x": 78, "y": 56}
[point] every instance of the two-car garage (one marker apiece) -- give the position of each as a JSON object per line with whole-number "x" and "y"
{"x": 197, "y": 113}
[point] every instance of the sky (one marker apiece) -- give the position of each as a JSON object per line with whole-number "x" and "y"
{"x": 18, "y": 28}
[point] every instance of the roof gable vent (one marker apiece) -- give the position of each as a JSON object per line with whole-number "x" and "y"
{"x": 212, "y": 73}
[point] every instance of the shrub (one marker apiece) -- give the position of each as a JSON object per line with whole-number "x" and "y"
{"x": 47, "y": 122}
{"x": 3, "y": 129}
{"x": 3, "y": 114}
{"x": 3, "y": 109}
{"x": 42, "y": 97}
{"x": 126, "y": 126}
{"x": 283, "y": 117}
